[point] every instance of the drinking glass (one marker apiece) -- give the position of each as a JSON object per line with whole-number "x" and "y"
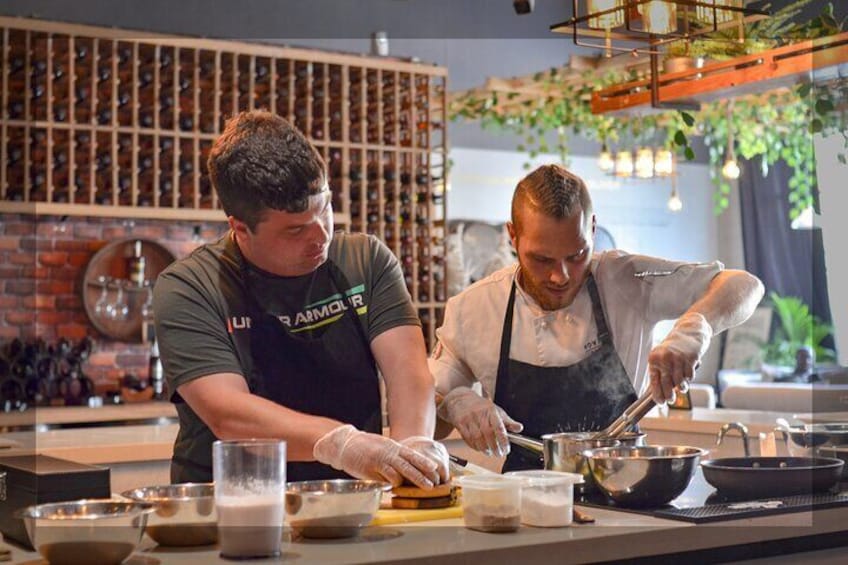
{"x": 250, "y": 487}
{"x": 101, "y": 307}
{"x": 118, "y": 310}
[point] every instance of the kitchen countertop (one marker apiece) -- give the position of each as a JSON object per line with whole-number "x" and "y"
{"x": 72, "y": 415}
{"x": 100, "y": 445}
{"x": 615, "y": 536}
{"x": 125, "y": 443}
{"x": 709, "y": 420}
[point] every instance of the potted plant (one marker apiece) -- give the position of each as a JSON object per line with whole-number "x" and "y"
{"x": 797, "y": 329}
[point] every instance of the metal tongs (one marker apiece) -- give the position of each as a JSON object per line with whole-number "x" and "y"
{"x": 633, "y": 413}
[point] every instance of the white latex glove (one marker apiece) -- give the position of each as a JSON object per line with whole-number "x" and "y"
{"x": 675, "y": 359}
{"x": 371, "y": 456}
{"x": 481, "y": 423}
{"x": 432, "y": 450}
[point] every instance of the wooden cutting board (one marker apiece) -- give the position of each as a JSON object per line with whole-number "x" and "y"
{"x": 396, "y": 516}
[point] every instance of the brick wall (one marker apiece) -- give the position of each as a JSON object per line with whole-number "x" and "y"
{"x": 42, "y": 263}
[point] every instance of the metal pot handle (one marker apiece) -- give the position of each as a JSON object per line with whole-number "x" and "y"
{"x": 784, "y": 434}
{"x": 526, "y": 442}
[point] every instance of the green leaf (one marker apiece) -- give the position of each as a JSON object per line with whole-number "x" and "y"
{"x": 824, "y": 106}
{"x": 804, "y": 89}
{"x": 688, "y": 118}
{"x": 816, "y": 126}
{"x": 690, "y": 154}
{"x": 680, "y": 138}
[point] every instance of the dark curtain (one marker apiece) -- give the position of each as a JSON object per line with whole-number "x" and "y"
{"x": 789, "y": 262}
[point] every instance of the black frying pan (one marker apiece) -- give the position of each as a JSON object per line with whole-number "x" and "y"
{"x": 765, "y": 477}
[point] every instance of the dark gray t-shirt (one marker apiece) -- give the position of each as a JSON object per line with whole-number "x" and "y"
{"x": 203, "y": 321}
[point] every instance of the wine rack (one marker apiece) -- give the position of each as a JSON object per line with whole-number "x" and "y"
{"x": 104, "y": 122}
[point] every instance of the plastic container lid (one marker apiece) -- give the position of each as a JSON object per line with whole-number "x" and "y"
{"x": 490, "y": 482}
{"x": 542, "y": 478}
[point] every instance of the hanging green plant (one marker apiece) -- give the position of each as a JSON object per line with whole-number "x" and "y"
{"x": 774, "y": 126}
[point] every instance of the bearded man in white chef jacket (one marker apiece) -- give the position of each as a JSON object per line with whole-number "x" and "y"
{"x": 562, "y": 340}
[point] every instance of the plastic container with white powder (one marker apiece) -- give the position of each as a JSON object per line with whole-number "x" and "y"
{"x": 547, "y": 497}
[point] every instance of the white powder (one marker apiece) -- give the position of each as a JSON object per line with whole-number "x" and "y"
{"x": 250, "y": 525}
{"x": 545, "y": 509}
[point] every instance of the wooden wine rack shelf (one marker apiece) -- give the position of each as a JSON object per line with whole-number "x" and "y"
{"x": 106, "y": 122}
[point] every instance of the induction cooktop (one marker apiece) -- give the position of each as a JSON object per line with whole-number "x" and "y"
{"x": 701, "y": 503}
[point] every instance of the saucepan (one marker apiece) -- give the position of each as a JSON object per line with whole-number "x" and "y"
{"x": 762, "y": 477}
{"x": 563, "y": 451}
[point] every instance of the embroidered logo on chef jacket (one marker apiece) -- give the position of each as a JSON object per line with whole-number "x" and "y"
{"x": 320, "y": 313}
{"x": 591, "y": 346}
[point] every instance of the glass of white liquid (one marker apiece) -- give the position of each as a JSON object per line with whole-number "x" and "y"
{"x": 250, "y": 487}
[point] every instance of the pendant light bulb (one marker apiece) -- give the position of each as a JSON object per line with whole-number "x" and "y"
{"x": 675, "y": 204}
{"x": 624, "y": 164}
{"x": 644, "y": 163}
{"x": 730, "y": 170}
{"x": 663, "y": 163}
{"x": 605, "y": 160}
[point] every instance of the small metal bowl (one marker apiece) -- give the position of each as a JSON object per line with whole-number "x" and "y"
{"x": 651, "y": 475}
{"x": 336, "y": 508}
{"x": 184, "y": 514}
{"x": 81, "y": 532}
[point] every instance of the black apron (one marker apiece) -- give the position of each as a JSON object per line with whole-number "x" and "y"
{"x": 585, "y": 396}
{"x": 333, "y": 375}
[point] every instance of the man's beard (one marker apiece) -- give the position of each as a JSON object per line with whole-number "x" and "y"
{"x": 537, "y": 292}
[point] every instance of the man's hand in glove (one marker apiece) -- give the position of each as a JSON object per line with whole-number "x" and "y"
{"x": 432, "y": 450}
{"x": 372, "y": 456}
{"x": 674, "y": 360}
{"x": 481, "y": 423}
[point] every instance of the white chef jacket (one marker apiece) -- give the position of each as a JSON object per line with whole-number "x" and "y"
{"x": 636, "y": 292}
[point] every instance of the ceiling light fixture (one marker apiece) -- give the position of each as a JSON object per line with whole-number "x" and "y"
{"x": 652, "y": 23}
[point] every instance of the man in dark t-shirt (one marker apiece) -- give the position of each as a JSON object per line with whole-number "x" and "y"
{"x": 277, "y": 329}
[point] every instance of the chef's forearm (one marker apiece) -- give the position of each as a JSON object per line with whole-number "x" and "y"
{"x": 412, "y": 407}
{"x": 730, "y": 299}
{"x": 402, "y": 358}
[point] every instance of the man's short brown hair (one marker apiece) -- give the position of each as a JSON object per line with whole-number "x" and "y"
{"x": 262, "y": 162}
{"x": 553, "y": 190}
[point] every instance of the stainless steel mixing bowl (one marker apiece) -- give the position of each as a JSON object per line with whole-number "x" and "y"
{"x": 184, "y": 514}
{"x": 82, "y": 532}
{"x": 332, "y": 509}
{"x": 651, "y": 475}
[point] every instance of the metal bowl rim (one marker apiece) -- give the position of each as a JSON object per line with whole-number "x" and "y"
{"x": 303, "y": 487}
{"x": 135, "y": 508}
{"x": 604, "y": 453}
{"x": 128, "y": 493}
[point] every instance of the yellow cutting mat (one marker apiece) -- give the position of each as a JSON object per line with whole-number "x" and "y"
{"x": 403, "y": 516}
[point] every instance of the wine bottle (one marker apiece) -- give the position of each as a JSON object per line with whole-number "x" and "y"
{"x": 136, "y": 265}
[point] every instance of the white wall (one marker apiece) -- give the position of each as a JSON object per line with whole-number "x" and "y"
{"x": 834, "y": 210}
